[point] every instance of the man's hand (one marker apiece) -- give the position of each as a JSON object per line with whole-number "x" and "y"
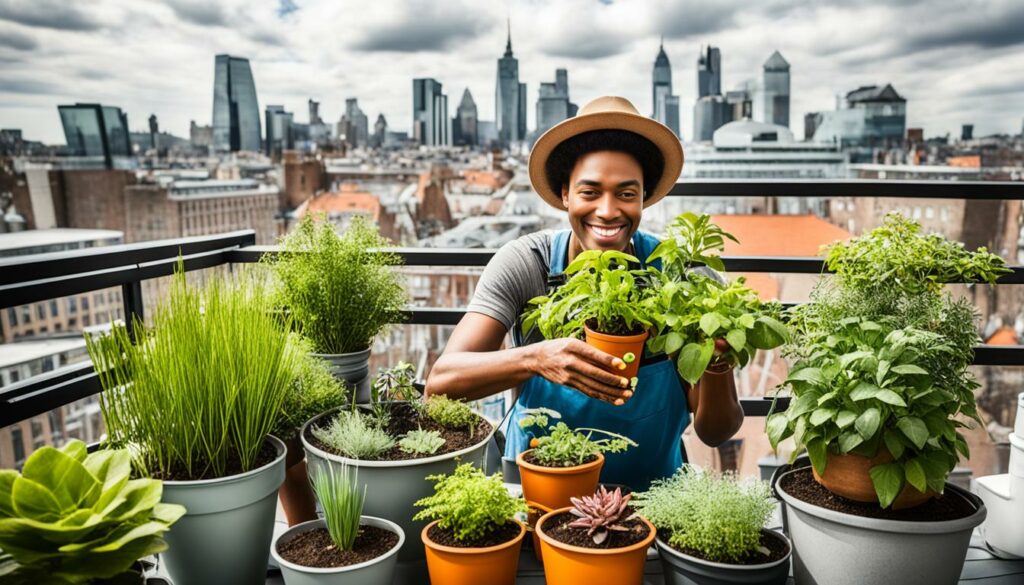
{"x": 573, "y": 363}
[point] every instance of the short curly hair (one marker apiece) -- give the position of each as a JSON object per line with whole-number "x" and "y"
{"x": 565, "y": 156}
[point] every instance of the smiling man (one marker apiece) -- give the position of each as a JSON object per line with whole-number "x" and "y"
{"x": 602, "y": 167}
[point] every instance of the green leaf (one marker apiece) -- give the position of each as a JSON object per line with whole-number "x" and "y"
{"x": 849, "y": 440}
{"x": 822, "y": 415}
{"x": 812, "y": 375}
{"x": 909, "y": 369}
{"x": 915, "y": 475}
{"x": 709, "y": 323}
{"x": 737, "y": 339}
{"x": 7, "y": 477}
{"x": 893, "y": 444}
{"x": 690, "y": 362}
{"x": 867, "y": 423}
{"x": 767, "y": 333}
{"x": 961, "y": 446}
{"x": 746, "y": 320}
{"x": 846, "y": 359}
{"x": 777, "y": 428}
{"x": 888, "y": 481}
{"x": 673, "y": 341}
{"x": 803, "y": 404}
{"x": 817, "y": 450}
{"x": 845, "y": 418}
{"x": 32, "y": 500}
{"x": 914, "y": 429}
{"x": 65, "y": 476}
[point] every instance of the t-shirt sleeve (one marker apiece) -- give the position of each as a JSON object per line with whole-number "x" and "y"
{"x": 513, "y": 276}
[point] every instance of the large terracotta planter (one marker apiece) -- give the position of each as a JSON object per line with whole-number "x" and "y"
{"x": 552, "y": 487}
{"x": 565, "y": 564}
{"x": 537, "y": 511}
{"x": 295, "y": 493}
{"x": 494, "y": 565}
{"x": 619, "y": 346}
{"x": 849, "y": 476}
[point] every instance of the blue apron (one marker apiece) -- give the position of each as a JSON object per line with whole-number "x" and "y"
{"x": 654, "y": 416}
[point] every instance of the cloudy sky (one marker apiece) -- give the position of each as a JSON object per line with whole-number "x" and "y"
{"x": 956, "y": 61}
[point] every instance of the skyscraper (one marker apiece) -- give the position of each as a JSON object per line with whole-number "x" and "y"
{"x": 773, "y": 103}
{"x": 510, "y": 98}
{"x": 431, "y": 125}
{"x": 709, "y": 72}
{"x": 380, "y": 131}
{"x": 661, "y": 92}
{"x": 355, "y": 125}
{"x": 236, "y": 113}
{"x": 154, "y": 131}
{"x": 96, "y": 131}
{"x": 314, "y": 112}
{"x": 464, "y": 128}
{"x": 280, "y": 136}
{"x": 553, "y": 103}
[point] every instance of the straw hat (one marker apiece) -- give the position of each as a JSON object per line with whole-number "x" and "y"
{"x": 606, "y": 113}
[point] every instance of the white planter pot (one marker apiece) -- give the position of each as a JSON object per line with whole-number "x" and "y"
{"x": 1004, "y": 496}
{"x": 353, "y": 368}
{"x": 375, "y": 571}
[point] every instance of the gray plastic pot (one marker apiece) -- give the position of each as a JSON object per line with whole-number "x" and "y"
{"x": 224, "y": 537}
{"x": 353, "y": 368}
{"x": 684, "y": 569}
{"x": 372, "y": 572}
{"x": 392, "y": 487}
{"x": 841, "y": 549}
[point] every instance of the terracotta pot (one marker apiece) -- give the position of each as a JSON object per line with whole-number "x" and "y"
{"x": 552, "y": 487}
{"x": 494, "y": 565}
{"x": 619, "y": 346}
{"x": 849, "y": 476}
{"x": 565, "y": 564}
{"x": 296, "y": 494}
{"x": 532, "y": 517}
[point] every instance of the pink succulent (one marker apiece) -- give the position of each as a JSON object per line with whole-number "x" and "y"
{"x": 601, "y": 513}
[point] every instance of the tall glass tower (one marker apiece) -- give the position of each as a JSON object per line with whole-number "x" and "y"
{"x": 236, "y": 114}
{"x": 666, "y": 105}
{"x": 510, "y": 98}
{"x": 96, "y": 131}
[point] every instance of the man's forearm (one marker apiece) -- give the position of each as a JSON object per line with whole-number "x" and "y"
{"x": 473, "y": 375}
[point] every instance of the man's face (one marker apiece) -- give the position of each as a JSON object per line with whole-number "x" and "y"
{"x": 605, "y": 199}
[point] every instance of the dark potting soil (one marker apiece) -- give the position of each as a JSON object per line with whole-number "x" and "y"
{"x": 776, "y": 546}
{"x": 557, "y": 527}
{"x": 530, "y": 458}
{"x": 500, "y": 535}
{"x": 200, "y": 470}
{"x": 618, "y": 327}
{"x": 801, "y": 485}
{"x": 316, "y": 549}
{"x": 405, "y": 418}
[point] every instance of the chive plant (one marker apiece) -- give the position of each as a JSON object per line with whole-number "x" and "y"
{"x": 203, "y": 387}
{"x": 335, "y": 487}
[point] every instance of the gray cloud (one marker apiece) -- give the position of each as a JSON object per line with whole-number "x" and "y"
{"x": 15, "y": 40}
{"x": 680, "y": 20}
{"x": 590, "y": 46}
{"x": 989, "y": 28}
{"x": 201, "y": 12}
{"x": 47, "y": 14}
{"x": 422, "y": 26}
{"x": 28, "y": 86}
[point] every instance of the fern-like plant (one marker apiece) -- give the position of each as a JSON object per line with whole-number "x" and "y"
{"x": 352, "y": 435}
{"x": 469, "y": 503}
{"x": 421, "y": 442}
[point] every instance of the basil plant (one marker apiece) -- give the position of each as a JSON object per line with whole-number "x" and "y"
{"x": 70, "y": 517}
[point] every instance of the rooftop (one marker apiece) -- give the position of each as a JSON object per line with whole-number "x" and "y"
{"x": 11, "y": 242}
{"x": 21, "y": 352}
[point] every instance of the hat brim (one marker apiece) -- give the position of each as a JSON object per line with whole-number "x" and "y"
{"x": 663, "y": 138}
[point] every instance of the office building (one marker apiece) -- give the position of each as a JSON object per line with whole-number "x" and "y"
{"x": 96, "y": 134}
{"x": 709, "y": 72}
{"x": 867, "y": 118}
{"x": 510, "y": 99}
{"x": 430, "y": 122}
{"x": 236, "y": 113}
{"x": 553, "y": 103}
{"x": 464, "y": 127}
{"x": 664, "y": 102}
{"x": 773, "y": 96}
{"x": 280, "y": 136}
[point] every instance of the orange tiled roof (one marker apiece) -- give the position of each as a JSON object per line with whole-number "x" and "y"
{"x": 487, "y": 179}
{"x": 1005, "y": 335}
{"x": 349, "y": 199}
{"x": 778, "y": 235}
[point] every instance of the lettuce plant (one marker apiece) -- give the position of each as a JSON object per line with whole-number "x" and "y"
{"x": 70, "y": 517}
{"x": 563, "y": 446}
{"x": 469, "y": 503}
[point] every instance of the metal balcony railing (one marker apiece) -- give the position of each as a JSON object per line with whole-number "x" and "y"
{"x": 34, "y": 278}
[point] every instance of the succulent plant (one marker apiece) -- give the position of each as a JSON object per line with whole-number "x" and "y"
{"x": 601, "y": 513}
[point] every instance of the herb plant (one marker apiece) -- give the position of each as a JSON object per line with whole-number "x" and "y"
{"x": 203, "y": 386}
{"x": 335, "y": 486}
{"x": 352, "y": 434}
{"x": 421, "y": 442}
{"x": 341, "y": 291}
{"x": 469, "y": 503}
{"x": 566, "y": 447}
{"x": 451, "y": 414}
{"x": 601, "y": 292}
{"x": 719, "y": 517}
{"x": 70, "y": 517}
{"x": 396, "y": 383}
{"x": 694, "y": 309}
{"x": 315, "y": 390}
{"x": 601, "y": 513}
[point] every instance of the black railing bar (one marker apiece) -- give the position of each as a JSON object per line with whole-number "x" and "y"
{"x": 967, "y": 190}
{"x": 46, "y": 399}
{"x": 54, "y": 264}
{"x": 46, "y": 380}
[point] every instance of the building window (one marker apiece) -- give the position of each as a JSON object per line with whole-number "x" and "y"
{"x": 72, "y": 305}
{"x": 18, "y": 446}
{"x": 37, "y": 430}
{"x": 86, "y": 320}
{"x": 12, "y": 317}
{"x": 85, "y": 303}
{"x": 15, "y": 376}
{"x": 929, "y": 213}
{"x": 54, "y": 310}
{"x": 40, "y": 311}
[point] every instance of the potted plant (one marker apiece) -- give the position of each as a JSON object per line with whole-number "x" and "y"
{"x": 395, "y": 444}
{"x": 343, "y": 547}
{"x": 474, "y": 537}
{"x": 602, "y": 301}
{"x": 194, "y": 398}
{"x": 702, "y": 320}
{"x": 75, "y": 518}
{"x": 341, "y": 292}
{"x": 564, "y": 462}
{"x": 315, "y": 390}
{"x": 880, "y": 388}
{"x": 599, "y": 539}
{"x": 711, "y": 529}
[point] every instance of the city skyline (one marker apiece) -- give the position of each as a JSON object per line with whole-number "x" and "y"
{"x": 963, "y": 66}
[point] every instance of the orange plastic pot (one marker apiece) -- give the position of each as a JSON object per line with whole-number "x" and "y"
{"x": 619, "y": 346}
{"x": 295, "y": 493}
{"x": 565, "y": 564}
{"x": 449, "y": 565}
{"x": 849, "y": 476}
{"x": 552, "y": 487}
{"x": 532, "y": 517}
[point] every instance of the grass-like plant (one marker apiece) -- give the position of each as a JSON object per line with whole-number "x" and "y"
{"x": 469, "y": 503}
{"x": 341, "y": 290}
{"x": 315, "y": 390}
{"x": 335, "y": 486}
{"x": 451, "y": 414}
{"x": 421, "y": 442}
{"x": 353, "y": 435}
{"x": 563, "y": 446}
{"x": 202, "y": 387}
{"x": 718, "y": 516}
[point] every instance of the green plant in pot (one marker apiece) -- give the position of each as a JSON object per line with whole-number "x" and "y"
{"x": 474, "y": 536}
{"x": 74, "y": 518}
{"x": 704, "y": 321}
{"x": 562, "y": 462}
{"x": 711, "y": 529}
{"x": 195, "y": 398}
{"x": 880, "y": 389}
{"x": 345, "y": 546}
{"x": 603, "y": 301}
{"x": 341, "y": 291}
